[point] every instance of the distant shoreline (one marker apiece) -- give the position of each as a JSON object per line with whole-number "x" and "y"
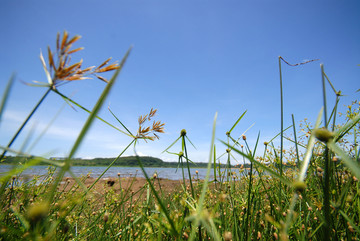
{"x": 128, "y": 161}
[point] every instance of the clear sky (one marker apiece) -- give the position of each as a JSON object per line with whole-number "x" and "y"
{"x": 190, "y": 60}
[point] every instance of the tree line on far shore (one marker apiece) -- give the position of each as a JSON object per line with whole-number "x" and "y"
{"x": 128, "y": 161}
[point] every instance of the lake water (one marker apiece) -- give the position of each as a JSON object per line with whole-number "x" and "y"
{"x": 95, "y": 171}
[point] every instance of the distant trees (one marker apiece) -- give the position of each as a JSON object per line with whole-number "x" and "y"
{"x": 128, "y": 161}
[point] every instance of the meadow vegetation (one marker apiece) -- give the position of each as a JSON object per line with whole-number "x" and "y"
{"x": 309, "y": 191}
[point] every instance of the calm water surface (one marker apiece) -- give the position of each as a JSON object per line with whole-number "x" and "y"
{"x": 95, "y": 171}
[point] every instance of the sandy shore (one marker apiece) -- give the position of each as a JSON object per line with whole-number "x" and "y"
{"x": 131, "y": 185}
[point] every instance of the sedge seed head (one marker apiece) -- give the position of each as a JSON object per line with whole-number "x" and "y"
{"x": 183, "y": 132}
{"x": 227, "y": 236}
{"x": 323, "y": 135}
{"x": 38, "y": 212}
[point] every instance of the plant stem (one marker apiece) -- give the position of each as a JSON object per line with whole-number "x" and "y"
{"x": 326, "y": 188}
{"x": 24, "y": 123}
{"x": 188, "y": 167}
{"x": 282, "y": 127}
{"x": 295, "y": 140}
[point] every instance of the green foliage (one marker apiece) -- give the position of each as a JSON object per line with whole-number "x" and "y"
{"x": 308, "y": 192}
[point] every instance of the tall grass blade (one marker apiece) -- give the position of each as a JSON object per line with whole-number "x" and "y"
{"x": 6, "y": 95}
{"x": 88, "y": 124}
{"x": 353, "y": 166}
{"x": 199, "y": 211}
{"x": 67, "y": 99}
{"x": 295, "y": 141}
{"x": 120, "y": 122}
{"x": 238, "y": 120}
{"x": 98, "y": 105}
{"x": 309, "y": 149}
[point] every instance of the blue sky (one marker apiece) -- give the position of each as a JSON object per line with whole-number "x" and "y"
{"x": 190, "y": 60}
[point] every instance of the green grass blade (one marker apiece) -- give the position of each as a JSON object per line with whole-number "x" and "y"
{"x": 350, "y": 163}
{"x": 172, "y": 144}
{"x": 67, "y": 99}
{"x": 308, "y": 153}
{"x": 238, "y": 120}
{"x": 120, "y": 122}
{"x": 295, "y": 141}
{"x": 87, "y": 125}
{"x": 199, "y": 211}
{"x": 187, "y": 138}
{"x": 6, "y": 95}
{"x": 98, "y": 105}
{"x": 346, "y": 128}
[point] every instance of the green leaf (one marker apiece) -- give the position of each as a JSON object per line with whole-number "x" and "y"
{"x": 237, "y": 121}
{"x": 310, "y": 146}
{"x": 6, "y": 94}
{"x": 120, "y": 122}
{"x": 172, "y": 144}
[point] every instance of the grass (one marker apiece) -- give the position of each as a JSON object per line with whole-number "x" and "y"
{"x": 308, "y": 192}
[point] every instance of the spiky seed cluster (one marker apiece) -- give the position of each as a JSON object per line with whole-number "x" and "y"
{"x": 145, "y": 132}
{"x": 62, "y": 71}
